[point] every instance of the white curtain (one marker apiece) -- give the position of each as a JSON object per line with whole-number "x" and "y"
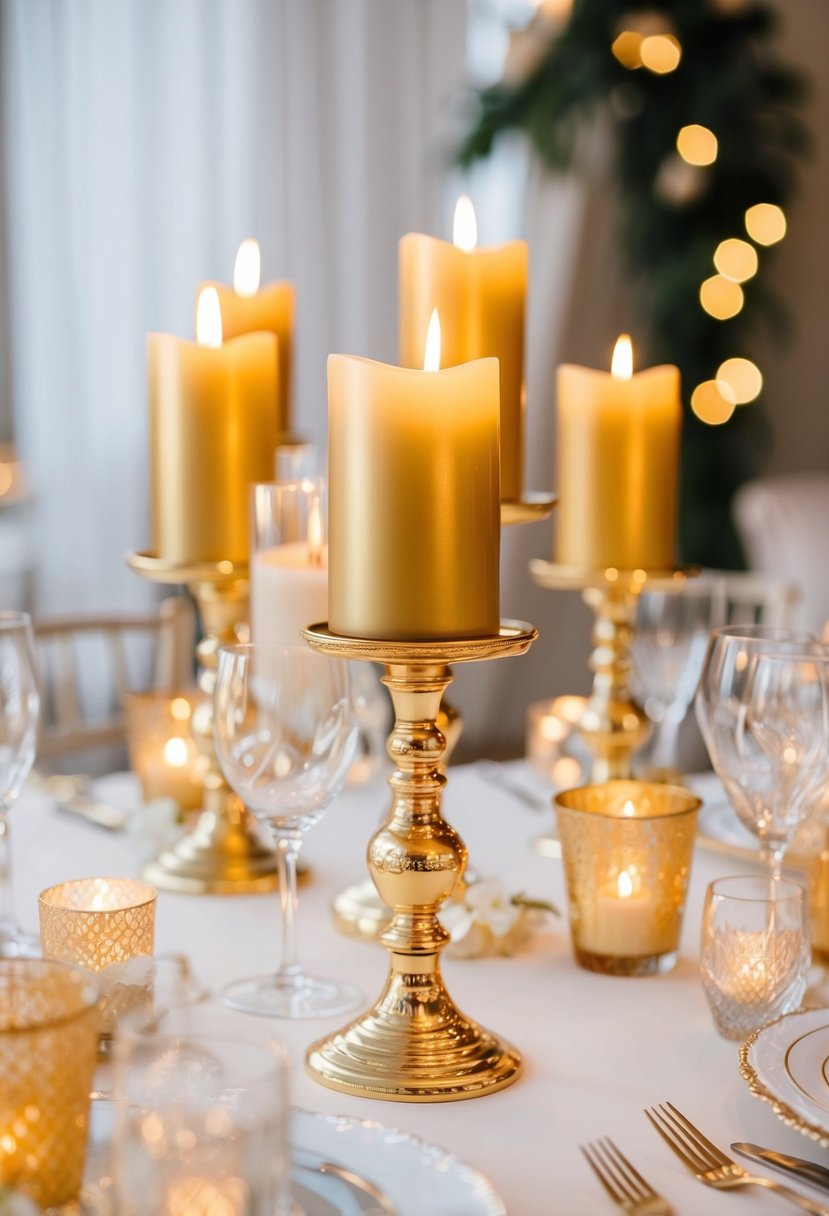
{"x": 143, "y": 140}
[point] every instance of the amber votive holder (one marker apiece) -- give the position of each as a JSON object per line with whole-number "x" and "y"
{"x": 102, "y": 923}
{"x": 627, "y": 849}
{"x": 48, "y": 1043}
{"x": 163, "y": 753}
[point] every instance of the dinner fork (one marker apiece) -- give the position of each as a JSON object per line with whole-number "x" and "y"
{"x": 708, "y": 1164}
{"x": 623, "y": 1183}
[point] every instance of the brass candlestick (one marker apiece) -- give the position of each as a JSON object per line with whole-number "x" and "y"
{"x": 612, "y": 725}
{"x": 414, "y": 1045}
{"x": 358, "y": 910}
{"x": 224, "y": 854}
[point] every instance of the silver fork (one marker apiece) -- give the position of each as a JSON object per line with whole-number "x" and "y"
{"x": 623, "y": 1183}
{"x": 711, "y": 1166}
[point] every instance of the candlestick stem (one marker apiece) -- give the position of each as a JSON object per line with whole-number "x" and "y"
{"x": 224, "y": 854}
{"x": 414, "y": 1045}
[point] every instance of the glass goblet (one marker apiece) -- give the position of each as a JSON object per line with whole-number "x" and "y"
{"x": 672, "y": 631}
{"x": 721, "y": 712}
{"x": 285, "y": 736}
{"x": 19, "y": 708}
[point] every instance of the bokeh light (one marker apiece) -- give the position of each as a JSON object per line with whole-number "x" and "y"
{"x": 736, "y": 259}
{"x": 697, "y": 145}
{"x": 660, "y": 53}
{"x": 627, "y": 49}
{"x": 712, "y": 403}
{"x": 721, "y": 298}
{"x": 742, "y": 377}
{"x": 766, "y": 223}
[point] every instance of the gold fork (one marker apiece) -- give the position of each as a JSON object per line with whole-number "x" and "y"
{"x": 708, "y": 1164}
{"x": 623, "y": 1183}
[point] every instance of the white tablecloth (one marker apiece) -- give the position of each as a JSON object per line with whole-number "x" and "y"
{"x": 597, "y": 1049}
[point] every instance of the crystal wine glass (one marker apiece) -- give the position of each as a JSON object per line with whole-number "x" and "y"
{"x": 285, "y": 737}
{"x": 19, "y": 708}
{"x": 721, "y": 708}
{"x": 672, "y": 631}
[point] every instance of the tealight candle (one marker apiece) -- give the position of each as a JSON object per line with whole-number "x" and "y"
{"x": 96, "y": 922}
{"x": 618, "y": 465}
{"x": 163, "y": 753}
{"x": 627, "y": 848}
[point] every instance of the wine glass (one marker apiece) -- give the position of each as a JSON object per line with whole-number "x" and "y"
{"x": 783, "y": 744}
{"x": 721, "y": 708}
{"x": 19, "y": 708}
{"x": 672, "y": 631}
{"x": 285, "y": 737}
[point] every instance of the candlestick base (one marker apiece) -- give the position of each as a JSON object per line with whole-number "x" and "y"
{"x": 613, "y": 725}
{"x": 533, "y": 505}
{"x": 414, "y": 1045}
{"x": 225, "y": 853}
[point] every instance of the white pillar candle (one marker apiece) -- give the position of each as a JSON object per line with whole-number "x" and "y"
{"x": 289, "y": 591}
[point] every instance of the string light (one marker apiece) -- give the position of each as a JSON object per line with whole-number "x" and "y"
{"x": 628, "y": 49}
{"x": 721, "y": 298}
{"x": 660, "y": 53}
{"x": 712, "y": 403}
{"x": 742, "y": 377}
{"x": 697, "y": 145}
{"x": 736, "y": 259}
{"x": 766, "y": 223}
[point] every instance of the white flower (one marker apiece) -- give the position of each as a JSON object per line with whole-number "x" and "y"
{"x": 13, "y": 1203}
{"x": 155, "y": 826}
{"x": 482, "y": 919}
{"x": 133, "y": 973}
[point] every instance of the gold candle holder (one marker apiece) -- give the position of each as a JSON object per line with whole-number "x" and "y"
{"x": 224, "y": 854}
{"x": 613, "y": 726}
{"x": 48, "y": 1046}
{"x": 414, "y": 1045}
{"x": 627, "y": 848}
{"x": 162, "y": 751}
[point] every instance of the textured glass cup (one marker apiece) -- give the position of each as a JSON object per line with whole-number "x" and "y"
{"x": 201, "y": 1126}
{"x": 48, "y": 1045}
{"x": 163, "y": 752}
{"x": 102, "y": 924}
{"x": 755, "y": 951}
{"x": 627, "y": 848}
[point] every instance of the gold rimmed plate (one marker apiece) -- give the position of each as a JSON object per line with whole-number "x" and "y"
{"x": 786, "y": 1064}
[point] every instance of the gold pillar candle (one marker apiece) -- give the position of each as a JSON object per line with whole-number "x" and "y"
{"x": 247, "y": 308}
{"x": 212, "y": 433}
{"x": 96, "y": 922}
{"x": 627, "y": 848}
{"x": 414, "y": 520}
{"x": 480, "y": 295}
{"x": 48, "y": 1046}
{"x": 618, "y": 465}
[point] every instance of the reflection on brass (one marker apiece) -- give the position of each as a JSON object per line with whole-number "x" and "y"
{"x": 532, "y": 506}
{"x": 414, "y": 1045}
{"x": 612, "y": 725}
{"x": 224, "y": 854}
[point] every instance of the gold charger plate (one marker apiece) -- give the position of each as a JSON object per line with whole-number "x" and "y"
{"x": 776, "y": 1065}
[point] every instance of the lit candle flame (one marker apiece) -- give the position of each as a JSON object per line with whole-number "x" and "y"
{"x": 247, "y": 268}
{"x": 431, "y": 358}
{"x": 315, "y": 533}
{"x": 624, "y": 884}
{"x": 209, "y": 318}
{"x": 465, "y": 225}
{"x": 628, "y": 810}
{"x": 175, "y": 752}
{"x": 621, "y": 366}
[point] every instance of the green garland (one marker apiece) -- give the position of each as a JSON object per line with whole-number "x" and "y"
{"x": 674, "y": 215}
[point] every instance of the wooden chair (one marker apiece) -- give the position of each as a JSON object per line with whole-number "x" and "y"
{"x": 758, "y": 599}
{"x": 88, "y": 665}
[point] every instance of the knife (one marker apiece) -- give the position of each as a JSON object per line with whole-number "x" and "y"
{"x": 809, "y": 1171}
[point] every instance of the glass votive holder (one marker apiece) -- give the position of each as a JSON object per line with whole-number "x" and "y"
{"x": 48, "y": 1042}
{"x": 627, "y": 849}
{"x": 100, "y": 924}
{"x": 201, "y": 1126}
{"x": 552, "y": 738}
{"x": 755, "y": 951}
{"x": 163, "y": 753}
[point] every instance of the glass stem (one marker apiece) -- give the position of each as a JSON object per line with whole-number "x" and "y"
{"x": 287, "y": 852}
{"x": 663, "y": 751}
{"x": 7, "y": 921}
{"x": 772, "y": 859}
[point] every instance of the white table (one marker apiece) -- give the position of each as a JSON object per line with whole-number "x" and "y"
{"x": 597, "y": 1049}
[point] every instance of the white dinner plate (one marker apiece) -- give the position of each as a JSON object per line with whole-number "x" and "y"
{"x": 418, "y": 1178}
{"x": 787, "y": 1064}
